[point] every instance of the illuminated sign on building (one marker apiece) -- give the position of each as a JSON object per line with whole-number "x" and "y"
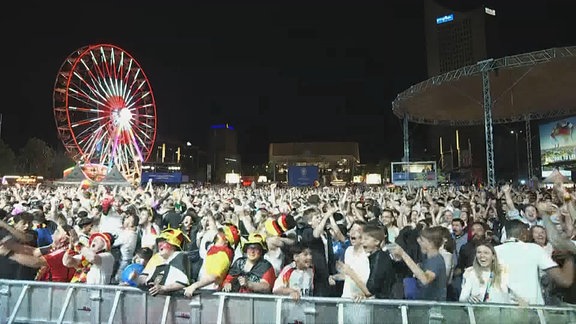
{"x": 220, "y": 126}
{"x": 489, "y": 11}
{"x": 444, "y": 19}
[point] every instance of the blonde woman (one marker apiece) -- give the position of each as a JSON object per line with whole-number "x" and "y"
{"x": 486, "y": 281}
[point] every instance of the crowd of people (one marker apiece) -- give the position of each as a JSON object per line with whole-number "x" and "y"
{"x": 449, "y": 243}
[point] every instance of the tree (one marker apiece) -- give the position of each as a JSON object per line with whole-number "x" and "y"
{"x": 7, "y": 159}
{"x": 62, "y": 161}
{"x": 36, "y": 158}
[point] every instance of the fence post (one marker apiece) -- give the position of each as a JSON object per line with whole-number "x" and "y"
{"x": 195, "y": 309}
{"x": 221, "y": 304}
{"x": 340, "y": 313}
{"x": 310, "y": 312}
{"x": 166, "y": 309}
{"x": 435, "y": 315}
{"x": 404, "y": 313}
{"x": 541, "y": 316}
{"x": 5, "y": 297}
{"x": 471, "y": 316}
{"x": 96, "y": 299}
{"x": 145, "y": 303}
{"x": 279, "y": 310}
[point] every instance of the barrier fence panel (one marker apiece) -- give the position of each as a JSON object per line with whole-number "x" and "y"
{"x": 45, "y": 302}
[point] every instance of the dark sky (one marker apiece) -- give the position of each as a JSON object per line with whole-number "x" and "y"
{"x": 297, "y": 71}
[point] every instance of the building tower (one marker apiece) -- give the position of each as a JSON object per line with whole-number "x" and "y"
{"x": 223, "y": 156}
{"x": 458, "y": 35}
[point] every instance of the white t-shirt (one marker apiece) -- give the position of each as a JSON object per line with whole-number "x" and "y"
{"x": 276, "y": 258}
{"x": 448, "y": 261}
{"x": 127, "y": 242}
{"x": 524, "y": 261}
{"x": 393, "y": 232}
{"x": 100, "y": 274}
{"x": 206, "y": 242}
{"x": 111, "y": 223}
{"x": 359, "y": 262}
{"x": 294, "y": 278}
{"x": 149, "y": 235}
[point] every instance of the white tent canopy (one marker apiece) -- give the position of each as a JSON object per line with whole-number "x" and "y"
{"x": 114, "y": 178}
{"x": 75, "y": 177}
{"x": 556, "y": 177}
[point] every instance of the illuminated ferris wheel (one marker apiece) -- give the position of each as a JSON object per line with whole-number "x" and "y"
{"x": 104, "y": 109}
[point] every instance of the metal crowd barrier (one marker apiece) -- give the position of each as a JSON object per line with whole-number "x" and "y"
{"x": 47, "y": 302}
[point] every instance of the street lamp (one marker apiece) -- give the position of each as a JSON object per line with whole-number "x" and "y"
{"x": 515, "y": 133}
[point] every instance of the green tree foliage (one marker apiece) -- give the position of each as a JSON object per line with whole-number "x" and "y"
{"x": 7, "y": 159}
{"x": 36, "y": 158}
{"x": 61, "y": 162}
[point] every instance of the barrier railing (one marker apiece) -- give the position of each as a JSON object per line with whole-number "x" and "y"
{"x": 47, "y": 302}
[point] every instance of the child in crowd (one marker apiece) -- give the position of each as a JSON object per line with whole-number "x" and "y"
{"x": 297, "y": 278}
{"x": 380, "y": 280}
{"x": 132, "y": 271}
{"x": 431, "y": 274}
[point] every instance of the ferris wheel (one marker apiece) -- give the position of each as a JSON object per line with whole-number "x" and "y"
{"x": 104, "y": 109}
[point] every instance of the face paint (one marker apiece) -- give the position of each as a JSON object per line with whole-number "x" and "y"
{"x": 165, "y": 246}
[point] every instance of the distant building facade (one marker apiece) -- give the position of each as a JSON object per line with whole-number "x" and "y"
{"x": 223, "y": 153}
{"x": 174, "y": 155}
{"x": 459, "y": 38}
{"x": 335, "y": 160}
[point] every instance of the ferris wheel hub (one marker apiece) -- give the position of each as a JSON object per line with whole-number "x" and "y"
{"x": 123, "y": 117}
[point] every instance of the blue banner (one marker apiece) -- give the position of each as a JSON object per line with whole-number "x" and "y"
{"x": 302, "y": 176}
{"x": 162, "y": 177}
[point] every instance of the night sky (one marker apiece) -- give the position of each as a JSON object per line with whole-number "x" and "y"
{"x": 297, "y": 71}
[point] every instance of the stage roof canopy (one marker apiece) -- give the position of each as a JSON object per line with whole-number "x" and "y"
{"x": 534, "y": 85}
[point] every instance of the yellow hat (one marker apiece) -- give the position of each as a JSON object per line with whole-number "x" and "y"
{"x": 255, "y": 238}
{"x": 173, "y": 236}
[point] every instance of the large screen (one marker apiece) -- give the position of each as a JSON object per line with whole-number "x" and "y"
{"x": 302, "y": 176}
{"x": 418, "y": 174}
{"x": 557, "y": 144}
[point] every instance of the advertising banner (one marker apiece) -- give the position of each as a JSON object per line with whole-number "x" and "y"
{"x": 162, "y": 177}
{"x": 557, "y": 144}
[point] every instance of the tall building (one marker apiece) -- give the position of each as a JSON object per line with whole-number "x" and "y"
{"x": 171, "y": 155}
{"x": 223, "y": 156}
{"x": 458, "y": 36}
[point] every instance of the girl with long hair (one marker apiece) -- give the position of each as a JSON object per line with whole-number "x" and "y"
{"x": 486, "y": 281}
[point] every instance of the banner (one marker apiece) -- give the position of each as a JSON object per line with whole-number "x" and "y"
{"x": 558, "y": 141}
{"x": 302, "y": 176}
{"x": 162, "y": 177}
